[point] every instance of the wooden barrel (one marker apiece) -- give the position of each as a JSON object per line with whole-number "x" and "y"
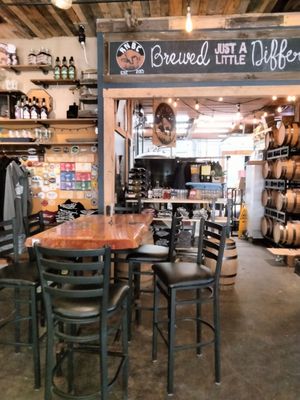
{"x": 289, "y": 201}
{"x": 229, "y": 265}
{"x": 268, "y": 169}
{"x": 269, "y": 141}
{"x": 287, "y": 135}
{"x": 268, "y": 198}
{"x": 280, "y": 135}
{"x": 287, "y": 169}
{"x": 288, "y": 234}
{"x": 266, "y": 226}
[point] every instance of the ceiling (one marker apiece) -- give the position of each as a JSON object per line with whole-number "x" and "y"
{"x": 215, "y": 117}
{"x": 40, "y": 19}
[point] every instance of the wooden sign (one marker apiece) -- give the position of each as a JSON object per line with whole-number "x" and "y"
{"x": 204, "y": 56}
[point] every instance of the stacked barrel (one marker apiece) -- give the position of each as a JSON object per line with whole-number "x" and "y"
{"x": 288, "y": 200}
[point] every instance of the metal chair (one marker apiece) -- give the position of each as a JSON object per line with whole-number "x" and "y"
{"x": 80, "y": 303}
{"x": 23, "y": 279}
{"x": 174, "y": 280}
{"x": 149, "y": 254}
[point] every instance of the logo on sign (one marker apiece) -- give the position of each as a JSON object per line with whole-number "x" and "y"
{"x": 130, "y": 56}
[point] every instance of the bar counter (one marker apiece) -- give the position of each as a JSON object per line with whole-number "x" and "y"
{"x": 121, "y": 231}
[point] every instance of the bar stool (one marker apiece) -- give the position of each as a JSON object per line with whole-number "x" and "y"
{"x": 149, "y": 254}
{"x": 23, "y": 279}
{"x": 175, "y": 279}
{"x": 83, "y": 311}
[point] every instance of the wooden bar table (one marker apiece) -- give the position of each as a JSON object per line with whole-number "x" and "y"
{"x": 120, "y": 232}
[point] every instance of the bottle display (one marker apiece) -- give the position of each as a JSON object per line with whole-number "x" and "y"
{"x": 64, "y": 68}
{"x": 18, "y": 110}
{"x": 32, "y": 57}
{"x": 57, "y": 69}
{"x": 26, "y": 109}
{"x": 71, "y": 69}
{"x": 34, "y": 110}
{"x": 44, "y": 110}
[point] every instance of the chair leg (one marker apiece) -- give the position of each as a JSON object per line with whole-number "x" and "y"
{"x": 137, "y": 293}
{"x": 50, "y": 360}
{"x": 71, "y": 383}
{"x": 103, "y": 363}
{"x": 216, "y": 306}
{"x": 17, "y": 317}
{"x": 171, "y": 341}
{"x": 155, "y": 318}
{"x": 198, "y": 322}
{"x": 125, "y": 348}
{"x": 130, "y": 298}
{"x": 35, "y": 339}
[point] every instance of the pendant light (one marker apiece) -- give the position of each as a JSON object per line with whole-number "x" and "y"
{"x": 63, "y": 4}
{"x": 188, "y": 21}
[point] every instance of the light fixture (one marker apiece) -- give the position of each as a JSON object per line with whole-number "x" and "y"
{"x": 169, "y": 100}
{"x": 175, "y": 103}
{"x": 63, "y": 4}
{"x": 197, "y": 105}
{"x": 274, "y": 98}
{"x": 188, "y": 21}
{"x": 279, "y": 109}
{"x": 220, "y": 99}
{"x": 265, "y": 114}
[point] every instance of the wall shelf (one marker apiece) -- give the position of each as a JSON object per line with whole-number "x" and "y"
{"x": 17, "y": 69}
{"x": 54, "y": 82}
{"x": 47, "y": 122}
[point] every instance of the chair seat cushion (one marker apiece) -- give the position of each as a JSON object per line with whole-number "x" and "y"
{"x": 149, "y": 251}
{"x": 182, "y": 274}
{"x": 23, "y": 273}
{"x": 89, "y": 307}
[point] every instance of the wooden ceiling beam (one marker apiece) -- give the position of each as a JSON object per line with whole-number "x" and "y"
{"x": 175, "y": 8}
{"x": 61, "y": 21}
{"x": 18, "y": 23}
{"x": 84, "y": 17}
{"x": 243, "y": 7}
{"x": 155, "y": 8}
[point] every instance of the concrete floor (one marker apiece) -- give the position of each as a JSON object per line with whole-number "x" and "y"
{"x": 260, "y": 345}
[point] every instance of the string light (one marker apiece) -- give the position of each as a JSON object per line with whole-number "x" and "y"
{"x": 220, "y": 99}
{"x": 169, "y": 100}
{"x": 188, "y": 21}
{"x": 238, "y": 113}
{"x": 197, "y": 106}
{"x": 175, "y": 103}
{"x": 274, "y": 98}
{"x": 265, "y": 114}
{"x": 279, "y": 109}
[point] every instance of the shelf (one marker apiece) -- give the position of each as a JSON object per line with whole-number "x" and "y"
{"x": 279, "y": 184}
{"x": 19, "y": 68}
{"x": 88, "y": 82}
{"x": 178, "y": 201}
{"x": 47, "y": 122}
{"x": 89, "y": 99}
{"x": 54, "y": 82}
{"x": 275, "y": 214}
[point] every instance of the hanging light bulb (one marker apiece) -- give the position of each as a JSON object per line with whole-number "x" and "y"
{"x": 274, "y": 98}
{"x": 254, "y": 121}
{"x": 197, "y": 106}
{"x": 265, "y": 114}
{"x": 241, "y": 127}
{"x": 220, "y": 99}
{"x": 169, "y": 100}
{"x": 175, "y": 103}
{"x": 63, "y": 4}
{"x": 279, "y": 109}
{"x": 188, "y": 21}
